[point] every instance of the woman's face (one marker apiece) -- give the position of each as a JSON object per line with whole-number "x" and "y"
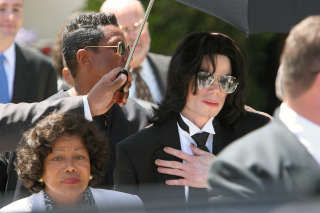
{"x": 207, "y": 102}
{"x": 67, "y": 170}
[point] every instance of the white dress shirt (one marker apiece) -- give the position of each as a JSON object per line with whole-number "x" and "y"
{"x": 10, "y": 67}
{"x": 151, "y": 81}
{"x": 307, "y": 132}
{"x": 186, "y": 140}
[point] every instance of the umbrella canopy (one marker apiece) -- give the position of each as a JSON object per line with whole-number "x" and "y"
{"x": 257, "y": 16}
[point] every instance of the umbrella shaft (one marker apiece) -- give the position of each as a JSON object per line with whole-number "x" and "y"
{"x": 139, "y": 33}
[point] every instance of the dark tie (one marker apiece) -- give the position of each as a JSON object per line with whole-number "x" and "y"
{"x": 201, "y": 139}
{"x": 142, "y": 89}
{"x": 4, "y": 88}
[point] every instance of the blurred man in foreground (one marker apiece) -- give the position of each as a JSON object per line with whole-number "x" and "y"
{"x": 281, "y": 159}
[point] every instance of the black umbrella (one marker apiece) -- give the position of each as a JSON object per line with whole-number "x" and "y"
{"x": 257, "y": 16}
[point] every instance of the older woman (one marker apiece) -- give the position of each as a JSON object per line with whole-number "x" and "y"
{"x": 58, "y": 160}
{"x": 204, "y": 107}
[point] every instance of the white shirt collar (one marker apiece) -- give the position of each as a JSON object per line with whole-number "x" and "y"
{"x": 193, "y": 129}
{"x": 307, "y": 132}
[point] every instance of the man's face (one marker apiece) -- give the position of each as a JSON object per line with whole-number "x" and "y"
{"x": 207, "y": 102}
{"x": 103, "y": 59}
{"x": 11, "y": 12}
{"x": 130, "y": 20}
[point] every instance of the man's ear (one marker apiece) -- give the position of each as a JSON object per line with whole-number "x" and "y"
{"x": 67, "y": 76}
{"x": 83, "y": 57}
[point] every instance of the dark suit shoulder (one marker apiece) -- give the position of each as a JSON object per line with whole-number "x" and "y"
{"x": 257, "y": 117}
{"x": 60, "y": 94}
{"x": 31, "y": 54}
{"x": 144, "y": 137}
{"x": 156, "y": 56}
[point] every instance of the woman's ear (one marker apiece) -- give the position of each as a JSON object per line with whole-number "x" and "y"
{"x": 67, "y": 76}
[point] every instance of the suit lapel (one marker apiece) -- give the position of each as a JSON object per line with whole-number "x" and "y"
{"x": 169, "y": 136}
{"x": 20, "y": 87}
{"x": 157, "y": 75}
{"x": 221, "y": 138}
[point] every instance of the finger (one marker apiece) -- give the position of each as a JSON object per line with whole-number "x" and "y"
{"x": 127, "y": 87}
{"x": 124, "y": 99}
{"x": 197, "y": 151}
{"x": 177, "y": 182}
{"x": 113, "y": 73}
{"x": 119, "y": 81}
{"x": 178, "y": 153}
{"x": 175, "y": 172}
{"x": 130, "y": 77}
{"x": 169, "y": 164}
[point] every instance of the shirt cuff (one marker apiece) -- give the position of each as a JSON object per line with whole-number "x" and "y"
{"x": 87, "y": 112}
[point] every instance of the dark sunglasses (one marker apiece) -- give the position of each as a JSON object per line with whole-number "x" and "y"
{"x": 227, "y": 83}
{"x": 121, "y": 49}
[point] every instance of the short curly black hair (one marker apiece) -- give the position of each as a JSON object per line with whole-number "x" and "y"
{"x": 37, "y": 144}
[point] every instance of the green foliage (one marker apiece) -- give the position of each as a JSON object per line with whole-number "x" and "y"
{"x": 171, "y": 21}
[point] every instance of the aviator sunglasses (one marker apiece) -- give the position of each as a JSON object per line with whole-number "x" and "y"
{"x": 121, "y": 49}
{"x": 227, "y": 83}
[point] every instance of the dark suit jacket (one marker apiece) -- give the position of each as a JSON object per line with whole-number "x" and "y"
{"x": 119, "y": 123}
{"x": 17, "y": 118}
{"x": 136, "y": 172}
{"x": 160, "y": 65}
{"x": 269, "y": 163}
{"x": 35, "y": 78}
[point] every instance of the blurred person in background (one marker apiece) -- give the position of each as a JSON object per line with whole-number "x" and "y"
{"x": 25, "y": 75}
{"x": 59, "y": 160}
{"x": 149, "y": 69}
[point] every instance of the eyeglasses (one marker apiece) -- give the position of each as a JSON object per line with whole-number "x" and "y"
{"x": 227, "y": 83}
{"x": 134, "y": 28}
{"x": 121, "y": 49}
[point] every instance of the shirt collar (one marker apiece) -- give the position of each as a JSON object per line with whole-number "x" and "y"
{"x": 10, "y": 55}
{"x": 299, "y": 125}
{"x": 193, "y": 129}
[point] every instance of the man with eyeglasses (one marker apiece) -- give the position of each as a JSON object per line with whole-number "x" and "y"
{"x": 93, "y": 45}
{"x": 149, "y": 69}
{"x": 203, "y": 111}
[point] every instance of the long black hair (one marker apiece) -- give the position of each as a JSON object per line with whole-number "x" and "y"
{"x": 184, "y": 66}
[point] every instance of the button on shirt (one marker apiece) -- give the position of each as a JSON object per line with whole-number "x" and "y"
{"x": 151, "y": 81}
{"x": 10, "y": 66}
{"x": 307, "y": 132}
{"x": 186, "y": 140}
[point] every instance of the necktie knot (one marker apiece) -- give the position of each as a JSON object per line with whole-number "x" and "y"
{"x": 137, "y": 70}
{"x": 201, "y": 139}
{"x": 142, "y": 89}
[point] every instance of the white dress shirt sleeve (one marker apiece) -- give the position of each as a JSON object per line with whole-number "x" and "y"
{"x": 87, "y": 112}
